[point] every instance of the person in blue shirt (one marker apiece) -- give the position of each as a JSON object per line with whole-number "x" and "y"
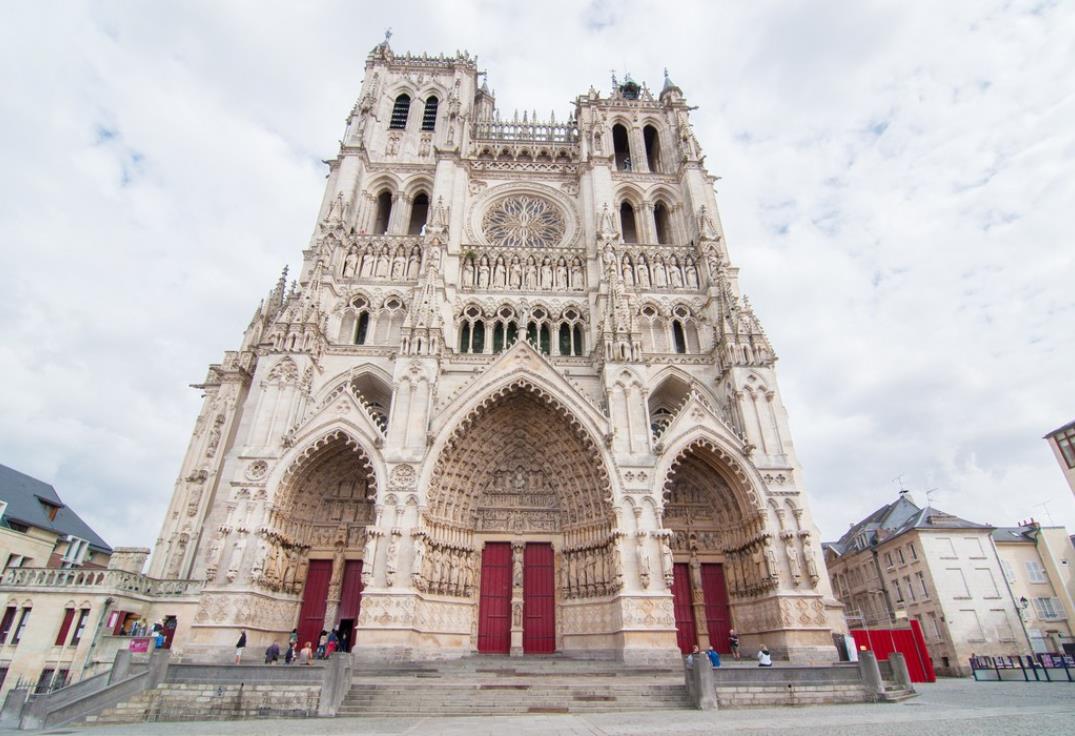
{"x": 714, "y": 657}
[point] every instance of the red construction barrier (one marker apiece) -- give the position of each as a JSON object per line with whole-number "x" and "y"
{"x": 909, "y": 642}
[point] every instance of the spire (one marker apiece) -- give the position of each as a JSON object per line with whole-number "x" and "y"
{"x": 669, "y": 86}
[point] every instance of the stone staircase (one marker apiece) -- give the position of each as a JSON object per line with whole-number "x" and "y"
{"x": 487, "y": 685}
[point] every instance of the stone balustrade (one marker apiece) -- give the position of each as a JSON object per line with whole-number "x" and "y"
{"x": 538, "y": 132}
{"x": 103, "y": 580}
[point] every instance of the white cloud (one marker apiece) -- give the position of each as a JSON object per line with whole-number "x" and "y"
{"x": 896, "y": 182}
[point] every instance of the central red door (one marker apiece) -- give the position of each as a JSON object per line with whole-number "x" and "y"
{"x": 314, "y": 597}
{"x": 539, "y": 601}
{"x": 494, "y": 606}
{"x": 686, "y": 635}
{"x": 718, "y": 614}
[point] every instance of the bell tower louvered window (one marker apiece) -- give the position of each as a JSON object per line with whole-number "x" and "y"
{"x": 429, "y": 115}
{"x": 400, "y": 111}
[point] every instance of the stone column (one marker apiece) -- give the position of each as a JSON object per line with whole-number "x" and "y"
{"x": 517, "y": 549}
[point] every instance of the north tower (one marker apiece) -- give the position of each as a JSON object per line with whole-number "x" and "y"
{"x": 514, "y": 402}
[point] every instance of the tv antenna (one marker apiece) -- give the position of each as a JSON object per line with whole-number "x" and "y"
{"x": 1045, "y": 507}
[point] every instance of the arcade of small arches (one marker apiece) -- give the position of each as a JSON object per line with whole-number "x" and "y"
{"x": 642, "y": 153}
{"x": 522, "y": 271}
{"x": 363, "y": 324}
{"x": 561, "y": 334}
{"x": 391, "y": 209}
{"x": 381, "y": 261}
{"x": 674, "y": 330}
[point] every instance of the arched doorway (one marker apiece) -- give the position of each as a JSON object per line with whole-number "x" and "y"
{"x": 319, "y": 522}
{"x": 520, "y": 496}
{"x": 719, "y": 546}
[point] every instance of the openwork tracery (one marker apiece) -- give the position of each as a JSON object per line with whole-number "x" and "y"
{"x": 524, "y": 222}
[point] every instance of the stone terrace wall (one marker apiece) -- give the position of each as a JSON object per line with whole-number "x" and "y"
{"x": 215, "y": 701}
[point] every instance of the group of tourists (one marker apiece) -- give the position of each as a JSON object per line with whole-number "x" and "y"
{"x": 765, "y": 658}
{"x": 327, "y": 643}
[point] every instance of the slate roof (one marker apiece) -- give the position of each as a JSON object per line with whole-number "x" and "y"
{"x": 1013, "y": 534}
{"x": 894, "y": 519}
{"x": 24, "y": 495}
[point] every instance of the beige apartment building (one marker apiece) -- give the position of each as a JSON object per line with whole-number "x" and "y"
{"x": 69, "y": 601}
{"x": 1062, "y": 442}
{"x": 908, "y": 562}
{"x": 1038, "y": 567}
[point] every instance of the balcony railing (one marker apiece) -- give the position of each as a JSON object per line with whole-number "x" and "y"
{"x": 538, "y": 132}
{"x": 119, "y": 581}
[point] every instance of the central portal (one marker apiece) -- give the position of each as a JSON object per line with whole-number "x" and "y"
{"x": 521, "y": 492}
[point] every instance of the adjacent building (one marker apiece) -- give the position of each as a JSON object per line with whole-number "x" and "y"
{"x": 1062, "y": 442}
{"x": 1039, "y": 567}
{"x": 38, "y": 530}
{"x": 68, "y": 600}
{"x": 905, "y": 561}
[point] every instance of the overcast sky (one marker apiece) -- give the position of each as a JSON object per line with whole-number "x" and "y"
{"x": 897, "y": 187}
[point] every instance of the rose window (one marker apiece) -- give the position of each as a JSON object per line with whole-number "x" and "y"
{"x": 524, "y": 222}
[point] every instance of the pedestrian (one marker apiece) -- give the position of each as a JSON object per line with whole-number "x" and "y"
{"x": 322, "y": 642}
{"x": 272, "y": 653}
{"x": 764, "y": 658}
{"x": 733, "y": 641}
{"x": 306, "y": 654}
{"x": 240, "y": 646}
{"x": 293, "y": 639}
{"x": 693, "y": 656}
{"x": 289, "y": 655}
{"x": 332, "y": 644}
{"x": 714, "y": 658}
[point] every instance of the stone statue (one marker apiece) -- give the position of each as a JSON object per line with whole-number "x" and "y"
{"x": 531, "y": 274}
{"x": 515, "y": 277}
{"x": 350, "y": 263}
{"x": 576, "y": 275}
{"x": 546, "y": 274}
{"x": 468, "y": 272}
{"x": 560, "y": 280}
{"x": 483, "y": 273}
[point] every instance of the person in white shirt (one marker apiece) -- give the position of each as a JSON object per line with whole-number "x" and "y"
{"x": 764, "y": 658}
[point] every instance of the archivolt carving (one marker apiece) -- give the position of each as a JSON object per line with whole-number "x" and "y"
{"x": 710, "y": 508}
{"x": 520, "y": 461}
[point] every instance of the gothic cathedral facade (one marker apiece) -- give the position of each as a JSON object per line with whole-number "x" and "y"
{"x": 514, "y": 402}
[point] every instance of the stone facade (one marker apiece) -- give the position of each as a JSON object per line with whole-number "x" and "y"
{"x": 503, "y": 331}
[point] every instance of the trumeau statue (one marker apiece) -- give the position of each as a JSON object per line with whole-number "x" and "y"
{"x": 504, "y": 342}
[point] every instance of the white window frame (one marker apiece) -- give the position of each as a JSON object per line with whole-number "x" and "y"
{"x": 1036, "y": 571}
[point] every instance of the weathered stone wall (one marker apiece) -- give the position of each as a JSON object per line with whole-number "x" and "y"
{"x": 215, "y": 701}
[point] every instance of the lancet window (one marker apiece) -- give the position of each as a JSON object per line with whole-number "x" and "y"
{"x": 628, "y": 225}
{"x": 400, "y": 112}
{"x": 662, "y": 224}
{"x": 472, "y": 331}
{"x": 419, "y": 214}
{"x": 355, "y": 325}
{"x": 384, "y": 213}
{"x": 537, "y": 331}
{"x": 429, "y": 114}
{"x": 570, "y": 334}
{"x": 622, "y": 148}
{"x": 653, "y": 148}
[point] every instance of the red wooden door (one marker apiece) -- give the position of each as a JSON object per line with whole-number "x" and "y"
{"x": 686, "y": 635}
{"x": 494, "y": 606}
{"x": 314, "y": 597}
{"x": 718, "y": 614}
{"x": 539, "y": 599}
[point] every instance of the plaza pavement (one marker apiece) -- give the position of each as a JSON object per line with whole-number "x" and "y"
{"x": 962, "y": 707}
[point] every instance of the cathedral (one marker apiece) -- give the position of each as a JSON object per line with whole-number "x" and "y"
{"x": 513, "y": 403}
